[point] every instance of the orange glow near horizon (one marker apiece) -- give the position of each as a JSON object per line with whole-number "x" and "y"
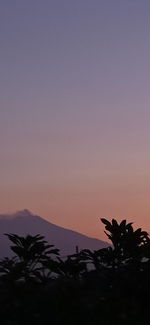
{"x": 75, "y": 111}
{"x": 81, "y": 210}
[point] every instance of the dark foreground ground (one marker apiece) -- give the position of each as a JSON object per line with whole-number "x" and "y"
{"x": 92, "y": 300}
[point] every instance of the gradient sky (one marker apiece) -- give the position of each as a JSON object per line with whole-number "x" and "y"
{"x": 75, "y": 110}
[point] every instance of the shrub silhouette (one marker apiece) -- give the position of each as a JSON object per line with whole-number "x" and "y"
{"x": 128, "y": 244}
{"x": 72, "y": 267}
{"x": 31, "y": 252}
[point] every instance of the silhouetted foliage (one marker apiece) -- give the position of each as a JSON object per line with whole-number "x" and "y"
{"x": 106, "y": 286}
{"x": 31, "y": 253}
{"x": 128, "y": 244}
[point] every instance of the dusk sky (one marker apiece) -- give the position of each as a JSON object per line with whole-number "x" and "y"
{"x": 75, "y": 110}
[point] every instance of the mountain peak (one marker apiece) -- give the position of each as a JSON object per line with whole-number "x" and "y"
{"x": 24, "y": 223}
{"x": 23, "y": 213}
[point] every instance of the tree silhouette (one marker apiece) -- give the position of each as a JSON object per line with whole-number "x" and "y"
{"x": 31, "y": 252}
{"x": 128, "y": 244}
{"x": 72, "y": 267}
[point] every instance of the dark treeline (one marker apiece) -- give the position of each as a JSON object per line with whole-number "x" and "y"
{"x": 106, "y": 286}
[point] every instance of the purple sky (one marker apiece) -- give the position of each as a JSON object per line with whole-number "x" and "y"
{"x": 75, "y": 110}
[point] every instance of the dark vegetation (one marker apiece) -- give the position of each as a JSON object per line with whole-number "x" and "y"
{"x": 107, "y": 286}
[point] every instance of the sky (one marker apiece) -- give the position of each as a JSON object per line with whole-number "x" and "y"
{"x": 75, "y": 111}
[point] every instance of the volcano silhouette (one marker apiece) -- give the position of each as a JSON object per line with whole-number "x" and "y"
{"x": 24, "y": 222}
